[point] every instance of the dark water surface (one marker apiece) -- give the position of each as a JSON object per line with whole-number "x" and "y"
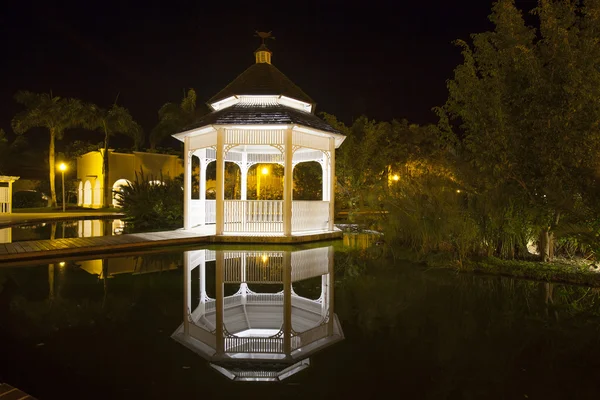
{"x": 101, "y": 329}
{"x": 61, "y": 229}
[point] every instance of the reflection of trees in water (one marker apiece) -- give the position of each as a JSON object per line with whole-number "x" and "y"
{"x": 463, "y": 328}
{"x": 72, "y": 298}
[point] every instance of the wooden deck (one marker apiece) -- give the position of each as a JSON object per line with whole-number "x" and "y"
{"x": 42, "y": 249}
{"x": 34, "y": 250}
{"x": 8, "y": 392}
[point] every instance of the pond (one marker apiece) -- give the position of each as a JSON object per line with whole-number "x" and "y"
{"x": 62, "y": 229}
{"x": 334, "y": 319}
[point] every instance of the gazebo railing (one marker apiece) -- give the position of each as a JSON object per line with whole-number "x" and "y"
{"x": 310, "y": 336}
{"x": 234, "y": 344}
{"x": 309, "y": 215}
{"x": 260, "y": 216}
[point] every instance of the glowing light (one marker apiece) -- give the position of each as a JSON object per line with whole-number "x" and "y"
{"x": 62, "y": 167}
{"x": 264, "y": 258}
{"x": 265, "y": 171}
{"x": 62, "y": 263}
{"x": 396, "y": 178}
{"x": 457, "y": 190}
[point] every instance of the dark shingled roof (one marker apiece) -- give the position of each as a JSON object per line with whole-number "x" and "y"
{"x": 251, "y": 114}
{"x": 262, "y": 79}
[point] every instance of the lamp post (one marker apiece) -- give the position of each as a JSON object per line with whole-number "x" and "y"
{"x": 263, "y": 171}
{"x": 63, "y": 167}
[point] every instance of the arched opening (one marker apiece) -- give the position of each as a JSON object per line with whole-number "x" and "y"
{"x": 87, "y": 194}
{"x": 97, "y": 200}
{"x": 80, "y": 194}
{"x": 116, "y": 188}
{"x": 265, "y": 182}
{"x": 233, "y": 181}
{"x": 308, "y": 181}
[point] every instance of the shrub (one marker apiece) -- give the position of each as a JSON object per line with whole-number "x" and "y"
{"x": 29, "y": 199}
{"x": 152, "y": 204}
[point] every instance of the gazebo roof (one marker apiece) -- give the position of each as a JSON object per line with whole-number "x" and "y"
{"x": 262, "y": 79}
{"x": 260, "y": 114}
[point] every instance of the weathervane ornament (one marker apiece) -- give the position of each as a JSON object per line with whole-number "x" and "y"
{"x": 264, "y": 35}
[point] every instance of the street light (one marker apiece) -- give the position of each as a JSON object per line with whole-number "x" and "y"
{"x": 62, "y": 168}
{"x": 264, "y": 171}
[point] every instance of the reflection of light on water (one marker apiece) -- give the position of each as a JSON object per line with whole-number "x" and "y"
{"x": 6, "y": 235}
{"x": 118, "y": 226}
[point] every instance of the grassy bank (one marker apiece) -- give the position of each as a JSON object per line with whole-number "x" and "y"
{"x": 560, "y": 271}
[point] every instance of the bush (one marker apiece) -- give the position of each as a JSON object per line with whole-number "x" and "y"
{"x": 29, "y": 199}
{"x": 152, "y": 204}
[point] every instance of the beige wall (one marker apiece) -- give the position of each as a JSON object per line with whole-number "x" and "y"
{"x": 124, "y": 166}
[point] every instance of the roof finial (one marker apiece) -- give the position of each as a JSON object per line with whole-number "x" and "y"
{"x": 263, "y": 36}
{"x": 263, "y": 54}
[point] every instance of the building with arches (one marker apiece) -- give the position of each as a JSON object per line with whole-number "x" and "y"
{"x": 261, "y": 117}
{"x": 122, "y": 168}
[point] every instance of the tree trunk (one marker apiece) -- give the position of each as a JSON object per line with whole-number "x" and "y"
{"x": 546, "y": 245}
{"x": 107, "y": 192}
{"x": 52, "y": 162}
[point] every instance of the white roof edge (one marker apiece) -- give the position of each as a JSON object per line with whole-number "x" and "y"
{"x": 9, "y": 178}
{"x": 339, "y": 138}
{"x": 194, "y": 132}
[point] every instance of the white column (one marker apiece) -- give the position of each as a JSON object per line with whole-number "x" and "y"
{"x": 324, "y": 295}
{"x": 202, "y": 279}
{"x": 203, "y": 165}
{"x": 10, "y": 197}
{"x": 220, "y": 189}
{"x": 287, "y": 184}
{"x": 244, "y": 173}
{"x": 220, "y": 261}
{"x": 187, "y": 292}
{"x": 202, "y": 185}
{"x": 287, "y": 302}
{"x": 187, "y": 183}
{"x": 244, "y": 285}
{"x": 331, "y": 181}
{"x": 330, "y": 287}
{"x": 325, "y": 174}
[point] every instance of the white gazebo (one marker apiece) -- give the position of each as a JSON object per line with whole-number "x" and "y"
{"x": 267, "y": 335}
{"x": 6, "y": 193}
{"x": 260, "y": 117}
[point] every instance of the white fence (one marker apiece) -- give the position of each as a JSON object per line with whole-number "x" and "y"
{"x": 310, "y": 215}
{"x": 4, "y": 200}
{"x": 260, "y": 216}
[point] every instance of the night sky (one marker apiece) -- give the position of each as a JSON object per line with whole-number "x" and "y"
{"x": 383, "y": 59}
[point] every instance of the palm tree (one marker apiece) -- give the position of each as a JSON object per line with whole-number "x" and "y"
{"x": 115, "y": 120}
{"x": 44, "y": 110}
{"x": 173, "y": 117}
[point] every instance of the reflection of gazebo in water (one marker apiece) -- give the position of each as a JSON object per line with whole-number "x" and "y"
{"x": 261, "y": 117}
{"x": 256, "y": 335}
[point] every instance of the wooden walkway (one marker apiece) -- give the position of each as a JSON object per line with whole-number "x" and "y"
{"x": 15, "y": 253}
{"x": 42, "y": 249}
{"x": 8, "y": 392}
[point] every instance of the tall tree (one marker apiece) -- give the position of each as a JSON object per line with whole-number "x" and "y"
{"x": 115, "y": 120}
{"x": 523, "y": 107}
{"x": 44, "y": 110}
{"x": 174, "y": 118}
